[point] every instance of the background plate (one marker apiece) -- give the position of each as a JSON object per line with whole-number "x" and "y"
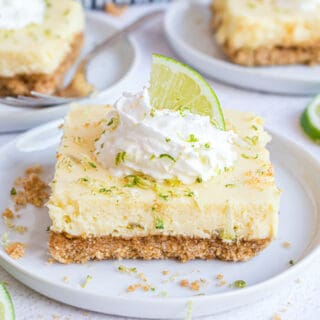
{"x": 187, "y": 27}
{"x": 298, "y": 177}
{"x": 106, "y": 72}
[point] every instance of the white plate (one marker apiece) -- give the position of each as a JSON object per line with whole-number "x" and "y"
{"x": 106, "y": 72}
{"x": 298, "y": 175}
{"x": 187, "y": 27}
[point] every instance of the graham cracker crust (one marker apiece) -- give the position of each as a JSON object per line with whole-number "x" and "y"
{"x": 23, "y": 84}
{"x": 264, "y": 56}
{"x": 267, "y": 56}
{"x": 68, "y": 249}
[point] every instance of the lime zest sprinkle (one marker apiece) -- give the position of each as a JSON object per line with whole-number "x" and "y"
{"x": 152, "y": 112}
{"x": 168, "y": 139}
{"x": 86, "y": 281}
{"x": 189, "y": 310}
{"x": 153, "y": 156}
{"x": 104, "y": 190}
{"x": 252, "y": 140}
{"x": 183, "y": 109}
{"x": 13, "y": 191}
{"x": 165, "y": 155}
{"x": 163, "y": 294}
{"x": 254, "y": 127}
{"x": 245, "y": 156}
{"x": 207, "y": 145}
{"x": 291, "y": 263}
{"x": 110, "y": 122}
{"x": 92, "y": 164}
{"x": 134, "y": 180}
{"x": 230, "y": 185}
{"x": 159, "y": 223}
{"x": 192, "y": 138}
{"x": 239, "y": 284}
{"x": 199, "y": 180}
{"x": 120, "y": 157}
{"x": 164, "y": 196}
{"x": 125, "y": 269}
{"x": 189, "y": 193}
{"x": 84, "y": 179}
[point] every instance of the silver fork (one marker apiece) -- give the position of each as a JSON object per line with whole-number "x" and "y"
{"x": 43, "y": 100}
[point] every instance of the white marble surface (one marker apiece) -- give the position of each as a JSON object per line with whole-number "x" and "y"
{"x": 295, "y": 301}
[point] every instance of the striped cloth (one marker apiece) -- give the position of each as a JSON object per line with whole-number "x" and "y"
{"x": 99, "y": 4}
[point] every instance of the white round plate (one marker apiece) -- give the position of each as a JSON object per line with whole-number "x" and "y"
{"x": 106, "y": 72}
{"x": 297, "y": 174}
{"x": 187, "y": 26}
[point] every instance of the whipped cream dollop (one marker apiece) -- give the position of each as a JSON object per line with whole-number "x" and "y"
{"x": 161, "y": 143}
{"x": 305, "y": 5}
{"x": 16, "y": 14}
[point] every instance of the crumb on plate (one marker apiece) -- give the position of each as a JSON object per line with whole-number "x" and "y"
{"x": 15, "y": 250}
{"x": 7, "y": 213}
{"x": 286, "y": 244}
{"x": 34, "y": 190}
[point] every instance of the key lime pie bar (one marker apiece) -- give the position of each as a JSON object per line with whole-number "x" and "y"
{"x": 39, "y": 41}
{"x": 137, "y": 180}
{"x": 268, "y": 32}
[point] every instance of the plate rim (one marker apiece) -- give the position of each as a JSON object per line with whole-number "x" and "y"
{"x": 176, "y": 40}
{"x": 259, "y": 287}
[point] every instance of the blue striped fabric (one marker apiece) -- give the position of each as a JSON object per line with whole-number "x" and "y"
{"x": 99, "y": 4}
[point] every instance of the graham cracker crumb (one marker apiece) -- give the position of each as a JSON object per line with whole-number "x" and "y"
{"x": 36, "y": 169}
{"x": 115, "y": 10}
{"x": 286, "y": 244}
{"x": 35, "y": 191}
{"x": 65, "y": 279}
{"x": 184, "y": 283}
{"x": 219, "y": 276}
{"x": 165, "y": 272}
{"x": 276, "y": 317}
{"x": 142, "y": 277}
{"x": 51, "y": 260}
{"x": 131, "y": 288}
{"x": 15, "y": 250}
{"x": 7, "y": 213}
{"x": 195, "y": 285}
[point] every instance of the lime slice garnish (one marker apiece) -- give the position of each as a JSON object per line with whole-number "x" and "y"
{"x": 310, "y": 119}
{"x": 176, "y": 86}
{"x": 6, "y": 305}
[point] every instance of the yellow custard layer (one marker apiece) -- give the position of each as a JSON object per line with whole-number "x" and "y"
{"x": 240, "y": 203}
{"x": 266, "y": 23}
{"x": 41, "y": 48}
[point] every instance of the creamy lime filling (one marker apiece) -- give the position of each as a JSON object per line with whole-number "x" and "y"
{"x": 16, "y": 14}
{"x": 161, "y": 143}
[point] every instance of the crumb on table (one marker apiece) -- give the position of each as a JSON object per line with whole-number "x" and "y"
{"x": 15, "y": 250}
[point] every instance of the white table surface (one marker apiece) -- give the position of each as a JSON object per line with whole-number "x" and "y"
{"x": 298, "y": 300}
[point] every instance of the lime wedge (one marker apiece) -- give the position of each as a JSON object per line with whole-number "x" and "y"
{"x": 310, "y": 119}
{"x": 176, "y": 86}
{"x": 6, "y": 305}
